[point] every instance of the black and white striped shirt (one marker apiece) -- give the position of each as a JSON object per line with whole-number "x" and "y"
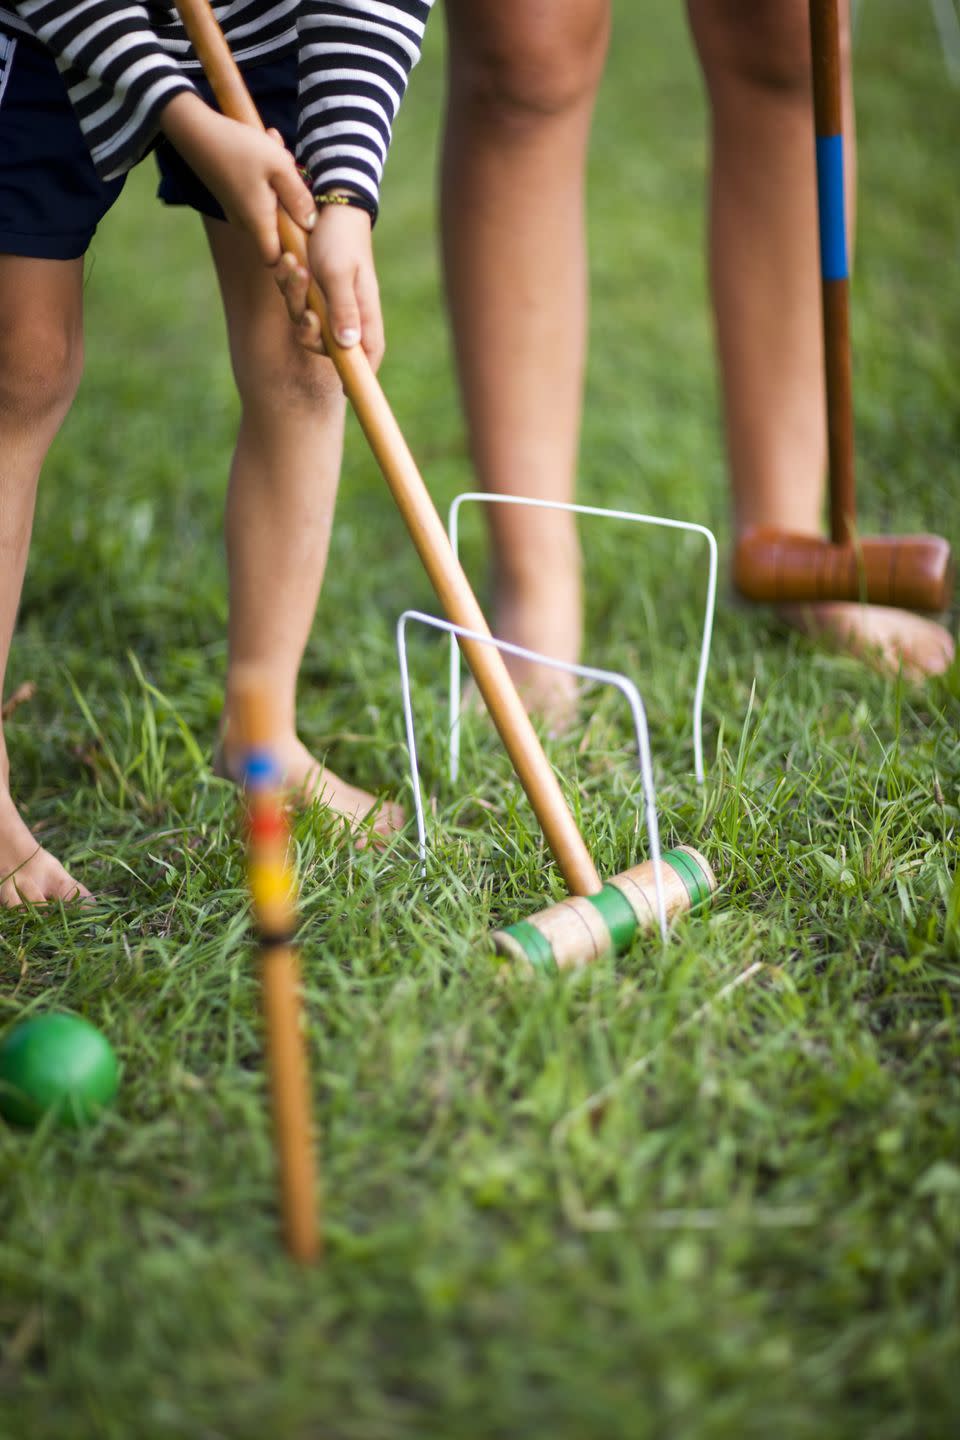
{"x": 123, "y": 63}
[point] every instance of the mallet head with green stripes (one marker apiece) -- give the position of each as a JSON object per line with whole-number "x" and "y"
{"x": 584, "y": 928}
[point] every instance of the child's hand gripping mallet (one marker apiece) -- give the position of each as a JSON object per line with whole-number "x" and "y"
{"x": 913, "y": 572}
{"x": 273, "y": 893}
{"x": 419, "y": 514}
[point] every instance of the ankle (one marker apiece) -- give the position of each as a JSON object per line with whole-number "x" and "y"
{"x": 787, "y": 518}
{"x": 281, "y": 715}
{"x": 537, "y": 573}
{"x": 229, "y": 752}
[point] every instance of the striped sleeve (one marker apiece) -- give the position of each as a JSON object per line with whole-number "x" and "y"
{"x": 355, "y": 61}
{"x": 10, "y": 20}
{"x": 116, "y": 72}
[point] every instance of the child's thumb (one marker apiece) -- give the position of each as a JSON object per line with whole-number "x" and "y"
{"x": 343, "y": 312}
{"x": 343, "y": 308}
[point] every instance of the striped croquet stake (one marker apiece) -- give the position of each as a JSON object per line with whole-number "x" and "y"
{"x": 273, "y": 894}
{"x": 582, "y": 929}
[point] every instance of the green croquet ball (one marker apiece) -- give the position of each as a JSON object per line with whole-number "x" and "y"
{"x": 55, "y": 1062}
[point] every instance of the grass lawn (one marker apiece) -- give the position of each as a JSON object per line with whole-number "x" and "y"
{"x": 759, "y": 1233}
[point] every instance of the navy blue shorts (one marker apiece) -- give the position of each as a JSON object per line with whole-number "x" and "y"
{"x": 51, "y": 198}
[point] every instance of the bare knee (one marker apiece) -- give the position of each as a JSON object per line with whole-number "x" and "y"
{"x": 41, "y": 362}
{"x": 518, "y": 63}
{"x": 764, "y": 44}
{"x": 283, "y": 379}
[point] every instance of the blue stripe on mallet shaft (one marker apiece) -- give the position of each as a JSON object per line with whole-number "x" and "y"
{"x": 833, "y": 225}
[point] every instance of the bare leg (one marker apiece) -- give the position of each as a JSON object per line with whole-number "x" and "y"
{"x": 40, "y": 363}
{"x": 522, "y": 81}
{"x": 280, "y": 504}
{"x": 763, "y": 265}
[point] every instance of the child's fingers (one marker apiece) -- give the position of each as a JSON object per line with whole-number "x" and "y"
{"x": 293, "y": 283}
{"x": 292, "y": 192}
{"x": 261, "y": 223}
{"x": 309, "y": 334}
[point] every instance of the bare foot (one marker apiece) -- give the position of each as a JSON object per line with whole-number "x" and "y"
{"x": 878, "y": 634}
{"x": 27, "y": 871}
{"x": 309, "y": 781}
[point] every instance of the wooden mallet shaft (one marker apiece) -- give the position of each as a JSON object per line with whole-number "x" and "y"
{"x": 273, "y": 893}
{"x": 834, "y": 265}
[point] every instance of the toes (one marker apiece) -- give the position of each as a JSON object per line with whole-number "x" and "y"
{"x": 891, "y": 639}
{"x": 927, "y": 649}
{"x": 380, "y": 824}
{"x": 936, "y": 652}
{"x": 10, "y": 897}
{"x": 38, "y": 881}
{"x": 66, "y": 889}
{"x": 377, "y": 828}
{"x": 389, "y": 818}
{"x": 29, "y": 891}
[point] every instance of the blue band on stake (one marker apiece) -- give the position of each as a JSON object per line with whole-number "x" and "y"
{"x": 260, "y": 770}
{"x": 833, "y": 229}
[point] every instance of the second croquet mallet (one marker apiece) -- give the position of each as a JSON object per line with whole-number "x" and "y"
{"x": 913, "y": 572}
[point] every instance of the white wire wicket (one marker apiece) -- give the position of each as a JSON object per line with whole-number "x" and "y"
{"x": 630, "y": 517}
{"x": 585, "y": 672}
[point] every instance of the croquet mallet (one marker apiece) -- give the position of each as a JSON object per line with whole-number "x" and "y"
{"x": 913, "y": 572}
{"x": 459, "y": 602}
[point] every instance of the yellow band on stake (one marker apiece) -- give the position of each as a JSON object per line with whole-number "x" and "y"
{"x": 271, "y": 884}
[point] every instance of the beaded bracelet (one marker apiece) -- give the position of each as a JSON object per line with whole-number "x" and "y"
{"x": 357, "y": 202}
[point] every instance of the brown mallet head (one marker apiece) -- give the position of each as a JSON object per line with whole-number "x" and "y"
{"x": 911, "y": 572}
